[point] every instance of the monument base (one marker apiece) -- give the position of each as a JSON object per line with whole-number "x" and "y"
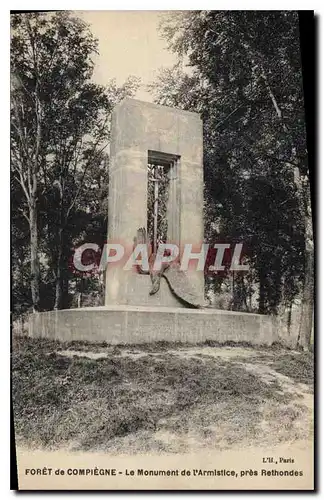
{"x": 142, "y": 324}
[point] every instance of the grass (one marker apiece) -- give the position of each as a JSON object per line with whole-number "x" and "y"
{"x": 157, "y": 402}
{"x": 299, "y": 366}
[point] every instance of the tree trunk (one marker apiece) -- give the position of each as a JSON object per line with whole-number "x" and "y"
{"x": 306, "y": 319}
{"x": 59, "y": 273}
{"x": 65, "y": 286}
{"x": 66, "y": 242}
{"x": 34, "y": 260}
{"x": 232, "y": 286}
{"x": 262, "y": 292}
{"x": 62, "y": 267}
{"x": 239, "y": 298}
{"x": 289, "y": 317}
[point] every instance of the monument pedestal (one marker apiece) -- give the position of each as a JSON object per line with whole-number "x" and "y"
{"x": 143, "y": 324}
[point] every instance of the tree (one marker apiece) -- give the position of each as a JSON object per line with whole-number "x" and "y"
{"x": 245, "y": 81}
{"x": 60, "y": 132}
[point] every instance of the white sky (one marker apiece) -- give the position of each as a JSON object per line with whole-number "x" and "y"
{"x": 129, "y": 44}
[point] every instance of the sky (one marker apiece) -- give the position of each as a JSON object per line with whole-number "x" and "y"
{"x": 129, "y": 44}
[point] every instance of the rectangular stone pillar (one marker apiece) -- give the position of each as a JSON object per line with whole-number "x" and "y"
{"x": 137, "y": 128}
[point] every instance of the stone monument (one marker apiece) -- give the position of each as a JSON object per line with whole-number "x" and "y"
{"x": 147, "y": 137}
{"x": 155, "y": 183}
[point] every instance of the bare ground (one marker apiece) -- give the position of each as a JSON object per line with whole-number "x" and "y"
{"x": 159, "y": 398}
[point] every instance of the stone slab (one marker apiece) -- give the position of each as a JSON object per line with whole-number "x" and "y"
{"x": 134, "y": 287}
{"x": 142, "y": 324}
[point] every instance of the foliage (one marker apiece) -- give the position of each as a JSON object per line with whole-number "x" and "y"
{"x": 59, "y": 137}
{"x": 243, "y": 77}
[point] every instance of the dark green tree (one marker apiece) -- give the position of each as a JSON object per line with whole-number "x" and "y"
{"x": 59, "y": 135}
{"x": 245, "y": 80}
